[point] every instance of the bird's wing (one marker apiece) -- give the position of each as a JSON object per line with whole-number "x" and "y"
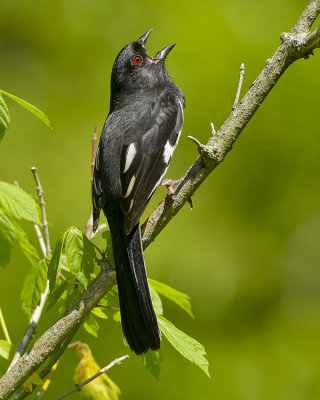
{"x": 146, "y": 153}
{"x": 98, "y": 195}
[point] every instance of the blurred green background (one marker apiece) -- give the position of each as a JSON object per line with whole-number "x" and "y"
{"x": 248, "y": 254}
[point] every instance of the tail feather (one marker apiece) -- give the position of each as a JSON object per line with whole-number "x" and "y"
{"x": 139, "y": 320}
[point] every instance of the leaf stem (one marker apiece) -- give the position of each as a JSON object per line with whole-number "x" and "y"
{"x": 4, "y": 327}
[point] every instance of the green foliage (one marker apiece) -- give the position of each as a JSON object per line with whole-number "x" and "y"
{"x": 55, "y": 263}
{"x": 184, "y": 344}
{"x": 33, "y": 286}
{"x": 153, "y": 362}
{"x": 91, "y": 325}
{"x": 56, "y": 294}
{"x": 79, "y": 253}
{"x": 5, "y": 116}
{"x": 17, "y": 203}
{"x": 8, "y": 238}
{"x": 157, "y": 303}
{"x": 181, "y": 299}
{"x": 6, "y": 349}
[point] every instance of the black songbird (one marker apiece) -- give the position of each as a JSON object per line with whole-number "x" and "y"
{"x": 136, "y": 145}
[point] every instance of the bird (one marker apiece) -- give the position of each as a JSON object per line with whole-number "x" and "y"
{"x": 137, "y": 142}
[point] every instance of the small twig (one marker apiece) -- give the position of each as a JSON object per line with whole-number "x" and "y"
{"x": 213, "y": 131}
{"x": 40, "y": 239}
{"x": 47, "y": 382}
{"x": 89, "y": 228}
{"x": 100, "y": 228}
{"x": 4, "y": 327}
{"x": 241, "y": 76}
{"x": 78, "y": 387}
{"x": 43, "y": 209}
{"x": 46, "y": 250}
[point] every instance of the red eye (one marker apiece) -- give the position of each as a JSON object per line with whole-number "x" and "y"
{"x": 137, "y": 60}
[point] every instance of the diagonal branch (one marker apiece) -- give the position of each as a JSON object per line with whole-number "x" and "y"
{"x": 295, "y": 44}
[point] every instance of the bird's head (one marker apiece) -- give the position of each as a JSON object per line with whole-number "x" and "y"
{"x": 134, "y": 69}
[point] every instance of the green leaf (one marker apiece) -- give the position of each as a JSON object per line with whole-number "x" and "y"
{"x": 91, "y": 325}
{"x": 181, "y": 299}
{"x": 8, "y": 238}
{"x": 80, "y": 255}
{"x": 157, "y": 303}
{"x": 17, "y": 203}
{"x": 5, "y": 349}
{"x": 112, "y": 300}
{"x": 184, "y": 344}
{"x": 34, "y": 285}
{"x": 55, "y": 263}
{"x": 98, "y": 312}
{"x": 153, "y": 362}
{"x": 56, "y": 294}
{"x": 4, "y": 118}
{"x": 34, "y": 110}
{"x": 25, "y": 245}
{"x": 35, "y": 379}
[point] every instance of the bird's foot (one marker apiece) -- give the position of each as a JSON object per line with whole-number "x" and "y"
{"x": 170, "y": 184}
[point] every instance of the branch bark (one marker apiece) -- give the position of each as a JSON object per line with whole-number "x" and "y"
{"x": 298, "y": 43}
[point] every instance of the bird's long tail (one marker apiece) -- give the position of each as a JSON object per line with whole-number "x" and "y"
{"x": 138, "y": 318}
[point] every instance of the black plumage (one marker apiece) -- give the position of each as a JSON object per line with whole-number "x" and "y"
{"x": 135, "y": 149}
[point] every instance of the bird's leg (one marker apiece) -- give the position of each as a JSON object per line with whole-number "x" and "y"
{"x": 170, "y": 184}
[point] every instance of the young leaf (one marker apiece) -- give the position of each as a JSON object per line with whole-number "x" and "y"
{"x": 8, "y": 238}
{"x": 80, "y": 255}
{"x": 4, "y": 118}
{"x": 25, "y": 245}
{"x": 97, "y": 311}
{"x": 17, "y": 203}
{"x": 55, "y": 263}
{"x": 101, "y": 388}
{"x": 56, "y": 294}
{"x": 33, "y": 287}
{"x": 91, "y": 325}
{"x": 5, "y": 349}
{"x": 184, "y": 344}
{"x": 157, "y": 303}
{"x": 181, "y": 299}
{"x": 112, "y": 300}
{"x": 34, "y": 110}
{"x": 153, "y": 362}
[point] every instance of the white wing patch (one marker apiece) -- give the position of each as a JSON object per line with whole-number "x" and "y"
{"x": 131, "y": 152}
{"x": 130, "y": 187}
{"x": 167, "y": 153}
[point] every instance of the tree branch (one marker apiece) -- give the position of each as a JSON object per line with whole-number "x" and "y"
{"x": 296, "y": 44}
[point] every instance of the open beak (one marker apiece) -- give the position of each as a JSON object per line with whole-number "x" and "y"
{"x": 162, "y": 54}
{"x": 144, "y": 37}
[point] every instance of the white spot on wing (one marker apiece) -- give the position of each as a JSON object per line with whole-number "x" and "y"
{"x": 130, "y": 187}
{"x": 131, "y": 152}
{"x": 131, "y": 205}
{"x": 168, "y": 151}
